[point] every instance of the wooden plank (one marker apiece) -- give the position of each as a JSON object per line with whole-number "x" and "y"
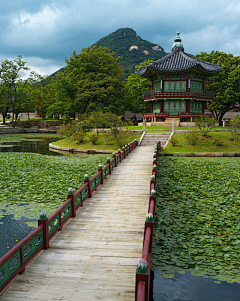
{"x": 95, "y": 256}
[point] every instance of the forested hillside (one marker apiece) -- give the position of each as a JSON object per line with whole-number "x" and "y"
{"x": 131, "y": 47}
{"x": 134, "y": 50}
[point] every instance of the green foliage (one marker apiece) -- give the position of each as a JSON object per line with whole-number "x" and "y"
{"x": 192, "y": 137}
{"x": 79, "y": 136}
{"x": 108, "y": 137}
{"x": 226, "y": 84}
{"x": 174, "y": 141}
{"x": 122, "y": 40}
{"x": 122, "y": 138}
{"x": 94, "y": 78}
{"x": 41, "y": 182}
{"x": 235, "y": 123}
{"x": 93, "y": 138}
{"x": 135, "y": 85}
{"x": 196, "y": 221}
{"x": 204, "y": 123}
{"x": 217, "y": 141}
{"x": 67, "y": 130}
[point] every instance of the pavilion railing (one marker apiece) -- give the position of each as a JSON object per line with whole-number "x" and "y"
{"x": 143, "y": 271}
{"x": 15, "y": 261}
{"x": 208, "y": 95}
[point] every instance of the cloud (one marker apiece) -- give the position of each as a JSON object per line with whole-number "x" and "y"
{"x": 33, "y": 29}
{"x": 51, "y": 30}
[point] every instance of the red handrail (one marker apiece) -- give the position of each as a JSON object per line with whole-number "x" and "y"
{"x": 142, "y": 287}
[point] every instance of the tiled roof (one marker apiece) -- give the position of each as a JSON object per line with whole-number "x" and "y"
{"x": 178, "y": 61}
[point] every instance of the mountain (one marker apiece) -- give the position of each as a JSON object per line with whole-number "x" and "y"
{"x": 129, "y": 45}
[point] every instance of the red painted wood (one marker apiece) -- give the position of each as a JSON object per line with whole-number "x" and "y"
{"x": 89, "y": 187}
{"x": 153, "y": 185}
{"x": 146, "y": 243}
{"x": 141, "y": 291}
{"x": 151, "y": 207}
{"x": 143, "y": 278}
{"x": 101, "y": 171}
{"x": 72, "y": 197}
{"x": 44, "y": 222}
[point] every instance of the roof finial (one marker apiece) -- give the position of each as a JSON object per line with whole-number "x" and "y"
{"x": 177, "y": 45}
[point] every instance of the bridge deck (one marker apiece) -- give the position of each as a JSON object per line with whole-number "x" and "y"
{"x": 95, "y": 255}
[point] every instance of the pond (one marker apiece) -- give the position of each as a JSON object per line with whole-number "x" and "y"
{"x": 31, "y": 182}
{"x": 37, "y": 144}
{"x": 186, "y": 287}
{"x": 196, "y": 245}
{"x": 13, "y": 230}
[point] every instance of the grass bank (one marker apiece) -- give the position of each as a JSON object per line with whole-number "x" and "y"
{"x": 214, "y": 142}
{"x": 104, "y": 142}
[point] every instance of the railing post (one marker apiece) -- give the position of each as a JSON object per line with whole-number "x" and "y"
{"x": 120, "y": 155}
{"x": 152, "y": 198}
{"x": 123, "y": 148}
{"x": 22, "y": 263}
{"x": 142, "y": 274}
{"x": 44, "y": 221}
{"x": 109, "y": 164}
{"x": 153, "y": 182}
{"x": 71, "y": 195}
{"x": 115, "y": 158}
{"x": 87, "y": 180}
{"x": 154, "y": 170}
{"x": 149, "y": 223}
{"x": 101, "y": 170}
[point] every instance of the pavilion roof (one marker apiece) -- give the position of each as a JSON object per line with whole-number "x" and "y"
{"x": 178, "y": 60}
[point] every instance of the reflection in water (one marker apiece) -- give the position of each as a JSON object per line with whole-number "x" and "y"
{"x": 40, "y": 146}
{"x": 186, "y": 287}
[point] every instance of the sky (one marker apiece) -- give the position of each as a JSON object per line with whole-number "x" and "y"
{"x": 44, "y": 32}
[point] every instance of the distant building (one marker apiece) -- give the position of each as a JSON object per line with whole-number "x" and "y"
{"x": 178, "y": 86}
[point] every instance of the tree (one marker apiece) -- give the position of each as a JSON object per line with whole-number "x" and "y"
{"x": 11, "y": 78}
{"x": 93, "y": 81}
{"x": 135, "y": 85}
{"x": 226, "y": 84}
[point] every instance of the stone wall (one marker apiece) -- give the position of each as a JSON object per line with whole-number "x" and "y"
{"x": 43, "y": 124}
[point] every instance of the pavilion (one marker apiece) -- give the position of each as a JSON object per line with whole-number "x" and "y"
{"x": 178, "y": 87}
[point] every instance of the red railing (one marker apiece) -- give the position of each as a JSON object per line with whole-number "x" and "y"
{"x": 143, "y": 272}
{"x": 15, "y": 261}
{"x": 166, "y": 115}
{"x": 207, "y": 95}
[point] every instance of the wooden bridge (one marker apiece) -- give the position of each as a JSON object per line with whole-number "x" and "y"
{"x": 95, "y": 255}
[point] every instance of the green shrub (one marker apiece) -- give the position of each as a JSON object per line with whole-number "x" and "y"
{"x": 79, "y": 136}
{"x": 93, "y": 138}
{"x": 174, "y": 141}
{"x": 192, "y": 137}
{"x": 204, "y": 123}
{"x": 235, "y": 123}
{"x": 108, "y": 137}
{"x": 122, "y": 138}
{"x": 218, "y": 141}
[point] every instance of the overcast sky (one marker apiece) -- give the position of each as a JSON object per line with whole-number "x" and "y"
{"x": 44, "y": 32}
